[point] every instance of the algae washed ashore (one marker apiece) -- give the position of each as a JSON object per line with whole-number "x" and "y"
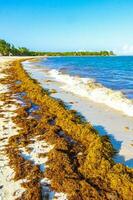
{"x": 49, "y": 151}
{"x": 114, "y": 72}
{"x": 13, "y": 181}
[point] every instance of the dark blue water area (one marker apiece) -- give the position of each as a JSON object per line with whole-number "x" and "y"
{"x": 114, "y": 72}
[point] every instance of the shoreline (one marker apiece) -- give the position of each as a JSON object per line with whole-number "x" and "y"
{"x": 80, "y": 159}
{"x": 102, "y": 117}
{"x": 89, "y": 88}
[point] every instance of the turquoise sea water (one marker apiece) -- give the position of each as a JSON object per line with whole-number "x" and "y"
{"x": 112, "y": 72}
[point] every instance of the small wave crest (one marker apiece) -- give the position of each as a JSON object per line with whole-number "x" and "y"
{"x": 89, "y": 88}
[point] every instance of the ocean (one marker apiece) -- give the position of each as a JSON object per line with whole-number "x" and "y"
{"x": 107, "y": 80}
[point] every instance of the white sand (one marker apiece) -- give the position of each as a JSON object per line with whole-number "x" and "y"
{"x": 38, "y": 147}
{"x": 9, "y": 189}
{"x": 105, "y": 119}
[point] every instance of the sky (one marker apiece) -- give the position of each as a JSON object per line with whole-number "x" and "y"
{"x": 68, "y": 25}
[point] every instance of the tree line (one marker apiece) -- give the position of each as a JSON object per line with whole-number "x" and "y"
{"x": 7, "y": 49}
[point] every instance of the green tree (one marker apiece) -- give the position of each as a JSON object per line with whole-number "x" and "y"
{"x": 111, "y": 53}
{"x": 23, "y": 51}
{"x": 5, "y": 48}
{"x": 14, "y": 51}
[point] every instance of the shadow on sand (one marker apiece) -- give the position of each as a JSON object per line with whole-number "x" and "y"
{"x": 117, "y": 145}
{"x": 102, "y": 131}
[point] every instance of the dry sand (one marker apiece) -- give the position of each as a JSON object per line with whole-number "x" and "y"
{"x": 10, "y": 189}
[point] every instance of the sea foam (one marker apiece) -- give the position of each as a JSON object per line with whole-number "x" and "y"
{"x": 89, "y": 88}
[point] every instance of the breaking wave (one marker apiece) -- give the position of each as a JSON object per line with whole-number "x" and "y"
{"x": 89, "y": 88}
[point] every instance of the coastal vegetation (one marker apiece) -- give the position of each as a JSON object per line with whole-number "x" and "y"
{"x": 7, "y": 49}
{"x": 75, "y": 53}
{"x": 80, "y": 163}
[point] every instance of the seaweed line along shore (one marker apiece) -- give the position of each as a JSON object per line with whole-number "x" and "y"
{"x": 48, "y": 151}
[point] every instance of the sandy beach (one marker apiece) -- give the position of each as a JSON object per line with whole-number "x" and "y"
{"x": 107, "y": 121}
{"x": 7, "y": 129}
{"x": 47, "y": 152}
{"x": 66, "y": 100}
{"x": 10, "y": 189}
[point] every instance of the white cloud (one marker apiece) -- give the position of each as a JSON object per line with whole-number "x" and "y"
{"x": 126, "y": 49}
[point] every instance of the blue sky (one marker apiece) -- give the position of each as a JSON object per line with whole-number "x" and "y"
{"x": 66, "y": 25}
